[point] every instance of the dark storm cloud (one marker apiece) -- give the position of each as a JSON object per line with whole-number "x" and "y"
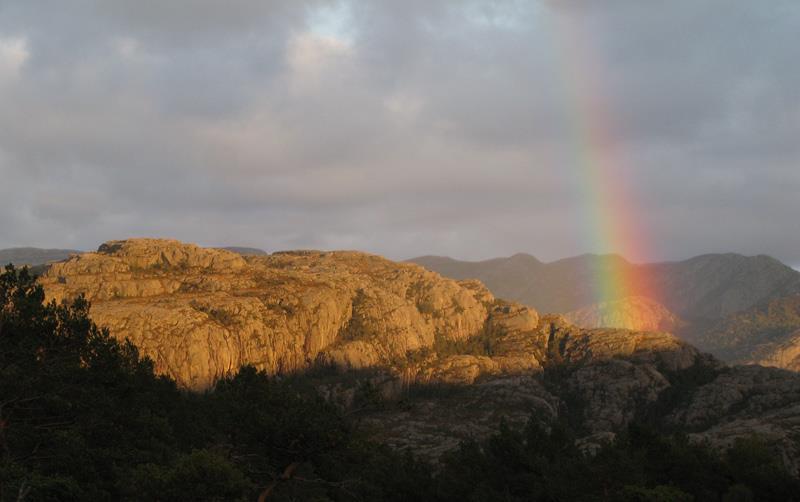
{"x": 401, "y": 128}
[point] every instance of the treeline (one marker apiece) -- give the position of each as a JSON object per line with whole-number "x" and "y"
{"x": 84, "y": 417}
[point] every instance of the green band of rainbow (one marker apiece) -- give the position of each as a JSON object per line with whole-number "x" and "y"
{"x": 598, "y": 168}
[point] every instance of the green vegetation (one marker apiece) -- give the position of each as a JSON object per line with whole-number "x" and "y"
{"x": 640, "y": 465}
{"x": 482, "y": 344}
{"x": 83, "y": 417}
{"x": 220, "y": 316}
{"x": 426, "y": 307}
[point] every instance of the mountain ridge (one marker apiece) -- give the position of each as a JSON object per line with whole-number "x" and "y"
{"x": 34, "y": 256}
{"x": 706, "y": 286}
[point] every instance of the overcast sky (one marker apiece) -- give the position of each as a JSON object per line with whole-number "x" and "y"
{"x": 401, "y": 128}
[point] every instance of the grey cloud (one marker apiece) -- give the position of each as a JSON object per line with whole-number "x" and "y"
{"x": 422, "y": 127}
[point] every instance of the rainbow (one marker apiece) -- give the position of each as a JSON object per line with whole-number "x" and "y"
{"x": 599, "y": 169}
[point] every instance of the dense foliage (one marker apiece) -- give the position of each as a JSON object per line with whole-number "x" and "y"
{"x": 83, "y": 417}
{"x": 640, "y": 465}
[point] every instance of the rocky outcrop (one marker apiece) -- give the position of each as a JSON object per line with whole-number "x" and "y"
{"x": 768, "y": 335}
{"x": 574, "y": 345}
{"x": 633, "y": 312}
{"x": 202, "y": 313}
{"x": 780, "y": 354}
{"x": 744, "y": 401}
{"x": 518, "y": 341}
{"x": 431, "y": 420}
{"x": 602, "y": 397}
{"x": 607, "y": 396}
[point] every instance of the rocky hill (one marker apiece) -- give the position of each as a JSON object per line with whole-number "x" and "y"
{"x": 767, "y": 334}
{"x": 715, "y": 286}
{"x": 447, "y": 360}
{"x": 201, "y": 313}
{"x": 633, "y": 312}
{"x": 783, "y": 353}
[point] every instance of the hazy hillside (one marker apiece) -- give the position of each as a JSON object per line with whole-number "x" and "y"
{"x": 245, "y": 251}
{"x": 768, "y": 334}
{"x": 34, "y": 256}
{"x": 705, "y": 287}
{"x": 717, "y": 285}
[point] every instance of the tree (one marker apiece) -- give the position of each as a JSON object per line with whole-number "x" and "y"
{"x": 77, "y": 407}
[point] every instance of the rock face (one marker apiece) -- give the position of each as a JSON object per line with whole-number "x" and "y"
{"x": 514, "y": 343}
{"x": 742, "y": 401}
{"x": 433, "y": 420}
{"x": 768, "y": 335}
{"x": 601, "y": 397}
{"x": 633, "y": 312}
{"x": 202, "y": 313}
{"x": 781, "y": 354}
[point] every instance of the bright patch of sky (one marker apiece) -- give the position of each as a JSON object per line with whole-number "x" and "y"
{"x": 334, "y": 21}
{"x": 13, "y": 54}
{"x": 501, "y": 15}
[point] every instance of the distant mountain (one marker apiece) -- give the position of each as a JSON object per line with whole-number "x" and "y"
{"x": 560, "y": 286}
{"x": 244, "y": 251}
{"x": 706, "y": 287}
{"x": 714, "y": 286}
{"x": 34, "y": 256}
